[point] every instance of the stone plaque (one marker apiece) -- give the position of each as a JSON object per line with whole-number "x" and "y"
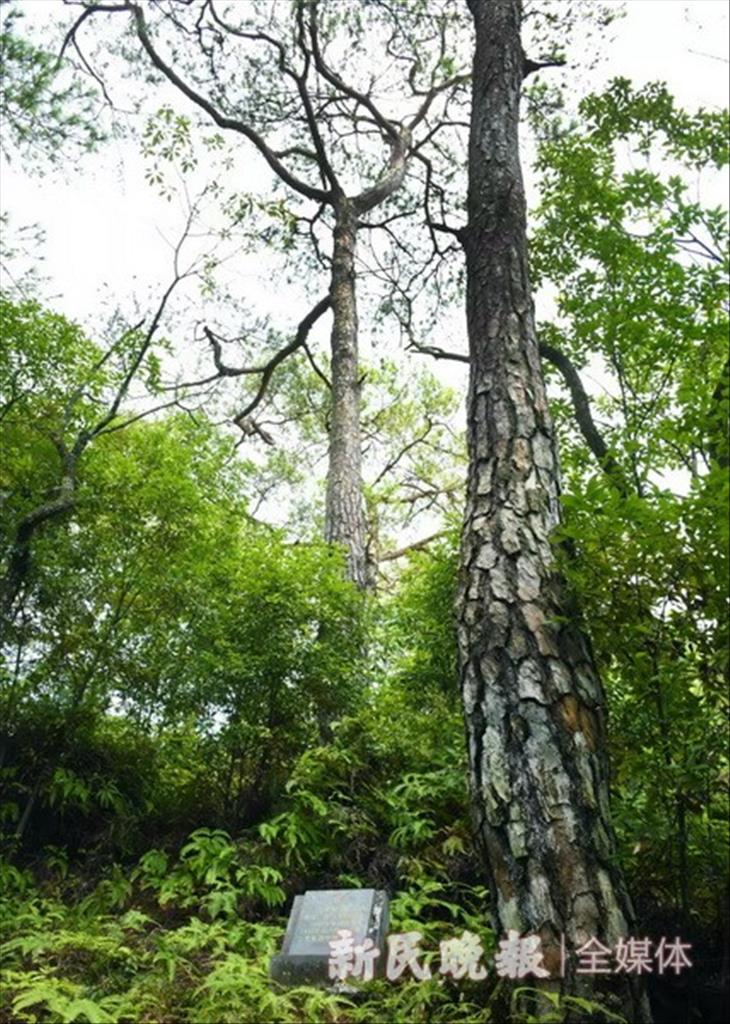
{"x": 314, "y": 920}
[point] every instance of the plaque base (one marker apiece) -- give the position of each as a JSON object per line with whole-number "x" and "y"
{"x": 317, "y": 916}
{"x": 293, "y": 969}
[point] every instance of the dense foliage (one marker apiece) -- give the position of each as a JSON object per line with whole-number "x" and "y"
{"x": 642, "y": 305}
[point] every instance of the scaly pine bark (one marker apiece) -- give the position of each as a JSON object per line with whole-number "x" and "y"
{"x": 534, "y": 703}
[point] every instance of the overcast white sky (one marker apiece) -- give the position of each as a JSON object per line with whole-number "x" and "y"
{"x": 103, "y": 222}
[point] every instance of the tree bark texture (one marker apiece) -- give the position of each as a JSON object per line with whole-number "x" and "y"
{"x": 345, "y": 521}
{"x": 533, "y": 700}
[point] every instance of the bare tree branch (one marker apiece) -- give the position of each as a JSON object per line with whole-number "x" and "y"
{"x": 297, "y": 342}
{"x": 437, "y": 353}
{"x": 583, "y": 416}
{"x": 222, "y": 120}
{"x": 63, "y": 498}
{"x": 417, "y": 545}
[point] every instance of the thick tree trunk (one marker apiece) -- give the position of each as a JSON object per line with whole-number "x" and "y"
{"x": 344, "y": 511}
{"x": 533, "y": 701}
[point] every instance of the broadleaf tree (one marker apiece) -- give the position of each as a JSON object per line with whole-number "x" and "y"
{"x": 641, "y": 299}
